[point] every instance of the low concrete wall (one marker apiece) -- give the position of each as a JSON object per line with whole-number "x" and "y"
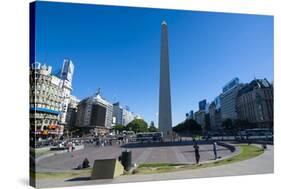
{"x": 232, "y": 148}
{"x": 106, "y": 169}
{"x": 40, "y": 149}
{"x": 257, "y": 141}
{"x": 159, "y": 144}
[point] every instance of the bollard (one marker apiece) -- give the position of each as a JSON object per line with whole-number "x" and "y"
{"x": 126, "y": 160}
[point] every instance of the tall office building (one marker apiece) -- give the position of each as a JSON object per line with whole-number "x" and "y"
{"x": 165, "y": 114}
{"x": 71, "y": 111}
{"x": 191, "y": 114}
{"x": 128, "y": 116}
{"x": 215, "y": 116}
{"x": 83, "y": 115}
{"x": 67, "y": 70}
{"x": 66, "y": 76}
{"x": 49, "y": 98}
{"x": 46, "y": 99}
{"x": 255, "y": 103}
{"x": 117, "y": 115}
{"x": 228, "y": 99}
{"x": 202, "y": 104}
{"x": 200, "y": 118}
{"x": 96, "y": 113}
{"x": 121, "y": 116}
{"x": 217, "y": 102}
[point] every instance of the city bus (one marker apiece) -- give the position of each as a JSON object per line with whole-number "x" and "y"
{"x": 257, "y": 133}
{"x": 128, "y": 133}
{"x": 149, "y": 137}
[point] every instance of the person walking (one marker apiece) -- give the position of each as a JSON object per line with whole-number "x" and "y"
{"x": 215, "y": 150}
{"x": 197, "y": 155}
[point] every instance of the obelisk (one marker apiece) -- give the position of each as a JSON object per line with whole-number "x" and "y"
{"x": 165, "y": 114}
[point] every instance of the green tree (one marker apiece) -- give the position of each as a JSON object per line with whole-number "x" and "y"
{"x": 152, "y": 127}
{"x": 119, "y": 128}
{"x": 227, "y": 125}
{"x": 137, "y": 125}
{"x": 193, "y": 127}
{"x": 207, "y": 121}
{"x": 242, "y": 124}
{"x": 179, "y": 128}
{"x": 190, "y": 126}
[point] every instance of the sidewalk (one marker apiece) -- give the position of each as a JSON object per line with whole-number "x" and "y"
{"x": 260, "y": 165}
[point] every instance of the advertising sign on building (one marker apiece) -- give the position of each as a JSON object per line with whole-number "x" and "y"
{"x": 234, "y": 82}
{"x": 67, "y": 70}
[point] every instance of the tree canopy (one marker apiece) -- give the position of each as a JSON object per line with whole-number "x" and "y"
{"x": 189, "y": 125}
{"x": 207, "y": 121}
{"x": 242, "y": 124}
{"x": 137, "y": 125}
{"x": 119, "y": 128}
{"x": 227, "y": 125}
{"x": 152, "y": 129}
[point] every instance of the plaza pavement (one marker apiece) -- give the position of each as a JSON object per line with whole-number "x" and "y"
{"x": 259, "y": 165}
{"x": 164, "y": 154}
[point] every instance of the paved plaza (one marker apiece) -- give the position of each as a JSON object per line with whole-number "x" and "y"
{"x": 262, "y": 164}
{"x": 165, "y": 154}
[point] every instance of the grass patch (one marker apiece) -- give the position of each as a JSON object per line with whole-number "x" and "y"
{"x": 62, "y": 175}
{"x": 247, "y": 152}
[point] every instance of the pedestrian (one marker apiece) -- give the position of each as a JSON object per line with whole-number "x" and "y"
{"x": 102, "y": 143}
{"x": 69, "y": 146}
{"x": 85, "y": 163}
{"x": 215, "y": 150}
{"x": 197, "y": 155}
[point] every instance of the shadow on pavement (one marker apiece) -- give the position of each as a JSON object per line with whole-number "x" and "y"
{"x": 79, "y": 179}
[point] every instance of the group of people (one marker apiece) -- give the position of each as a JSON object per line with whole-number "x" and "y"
{"x": 197, "y": 154}
{"x": 101, "y": 142}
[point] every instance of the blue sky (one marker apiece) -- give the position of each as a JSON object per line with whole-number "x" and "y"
{"x": 118, "y": 50}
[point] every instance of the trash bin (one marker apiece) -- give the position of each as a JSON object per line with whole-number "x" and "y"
{"x": 126, "y": 159}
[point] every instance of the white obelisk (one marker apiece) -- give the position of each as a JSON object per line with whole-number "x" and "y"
{"x": 165, "y": 114}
